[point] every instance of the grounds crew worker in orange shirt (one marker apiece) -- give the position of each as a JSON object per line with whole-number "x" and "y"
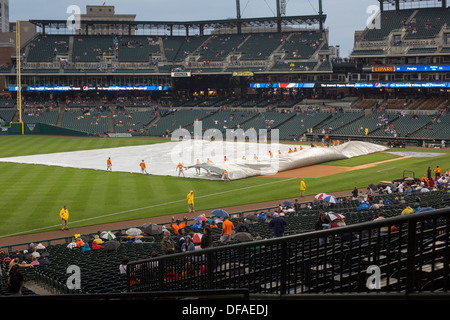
{"x": 108, "y": 164}
{"x": 64, "y": 215}
{"x": 143, "y": 167}
{"x": 190, "y": 201}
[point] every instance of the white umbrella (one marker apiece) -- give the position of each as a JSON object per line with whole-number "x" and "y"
{"x": 320, "y": 196}
{"x": 133, "y": 231}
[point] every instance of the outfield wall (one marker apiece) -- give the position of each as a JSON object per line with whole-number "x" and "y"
{"x": 15, "y": 128}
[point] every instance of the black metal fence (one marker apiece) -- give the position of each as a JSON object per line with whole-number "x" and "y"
{"x": 405, "y": 254}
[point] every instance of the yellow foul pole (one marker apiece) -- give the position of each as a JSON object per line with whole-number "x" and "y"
{"x": 18, "y": 74}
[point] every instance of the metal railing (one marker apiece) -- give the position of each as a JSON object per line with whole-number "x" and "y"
{"x": 400, "y": 255}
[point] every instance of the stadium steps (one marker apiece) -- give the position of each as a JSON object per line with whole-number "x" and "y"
{"x": 151, "y": 123}
{"x": 15, "y": 118}
{"x": 70, "y": 48}
{"x": 110, "y": 122}
{"x": 349, "y": 123}
{"x": 60, "y": 116}
{"x": 38, "y": 289}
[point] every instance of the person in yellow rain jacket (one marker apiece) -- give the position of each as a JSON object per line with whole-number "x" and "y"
{"x": 190, "y": 201}
{"x": 64, "y": 215}
{"x": 302, "y": 187}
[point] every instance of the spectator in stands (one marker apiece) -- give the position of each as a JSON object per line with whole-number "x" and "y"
{"x": 355, "y": 193}
{"x": 72, "y": 244}
{"x": 241, "y": 226}
{"x": 171, "y": 274}
{"x": 96, "y": 246}
{"x": 297, "y": 206}
{"x": 383, "y": 230}
{"x": 278, "y": 225}
{"x": 181, "y": 239}
{"x": 227, "y": 229}
{"x": 178, "y": 225}
{"x": 34, "y": 261}
{"x": 167, "y": 243}
{"x": 437, "y": 172}
{"x": 137, "y": 240}
{"x": 207, "y": 239}
{"x": 189, "y": 270}
{"x": 123, "y": 265}
{"x": 15, "y": 280}
{"x": 19, "y": 255}
{"x": 407, "y": 210}
{"x": 86, "y": 247}
{"x": 323, "y": 222}
{"x": 188, "y": 245}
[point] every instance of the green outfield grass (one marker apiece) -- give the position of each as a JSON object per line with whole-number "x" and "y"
{"x": 32, "y": 195}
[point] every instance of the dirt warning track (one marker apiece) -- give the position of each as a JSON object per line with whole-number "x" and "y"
{"x": 318, "y": 171}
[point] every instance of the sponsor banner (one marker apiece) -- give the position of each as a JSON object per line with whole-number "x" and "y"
{"x": 293, "y": 85}
{"x": 86, "y": 88}
{"x": 383, "y": 69}
{"x": 259, "y": 85}
{"x": 180, "y": 74}
{"x": 421, "y": 68}
{"x": 243, "y": 74}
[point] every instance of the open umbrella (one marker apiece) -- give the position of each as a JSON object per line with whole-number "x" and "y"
{"x": 320, "y": 196}
{"x": 330, "y": 199}
{"x": 288, "y": 203}
{"x": 107, "y": 235}
{"x": 331, "y": 215}
{"x": 133, "y": 231}
{"x": 242, "y": 236}
{"x": 111, "y": 245}
{"x": 220, "y": 213}
{"x": 151, "y": 228}
{"x": 252, "y": 217}
{"x": 201, "y": 218}
{"x": 197, "y": 238}
{"x": 373, "y": 187}
{"x": 425, "y": 209}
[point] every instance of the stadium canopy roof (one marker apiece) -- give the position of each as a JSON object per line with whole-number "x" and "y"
{"x": 411, "y": 4}
{"x": 283, "y": 21}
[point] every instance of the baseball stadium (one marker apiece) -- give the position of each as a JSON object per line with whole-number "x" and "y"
{"x": 241, "y": 158}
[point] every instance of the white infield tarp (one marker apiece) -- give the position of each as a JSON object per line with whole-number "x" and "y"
{"x": 163, "y": 158}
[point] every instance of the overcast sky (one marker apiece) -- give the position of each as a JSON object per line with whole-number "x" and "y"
{"x": 343, "y": 16}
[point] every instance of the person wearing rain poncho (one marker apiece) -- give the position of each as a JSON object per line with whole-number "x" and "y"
{"x": 86, "y": 247}
{"x": 190, "y": 201}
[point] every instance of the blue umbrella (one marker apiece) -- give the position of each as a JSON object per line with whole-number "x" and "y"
{"x": 220, "y": 213}
{"x": 288, "y": 203}
{"x": 425, "y": 209}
